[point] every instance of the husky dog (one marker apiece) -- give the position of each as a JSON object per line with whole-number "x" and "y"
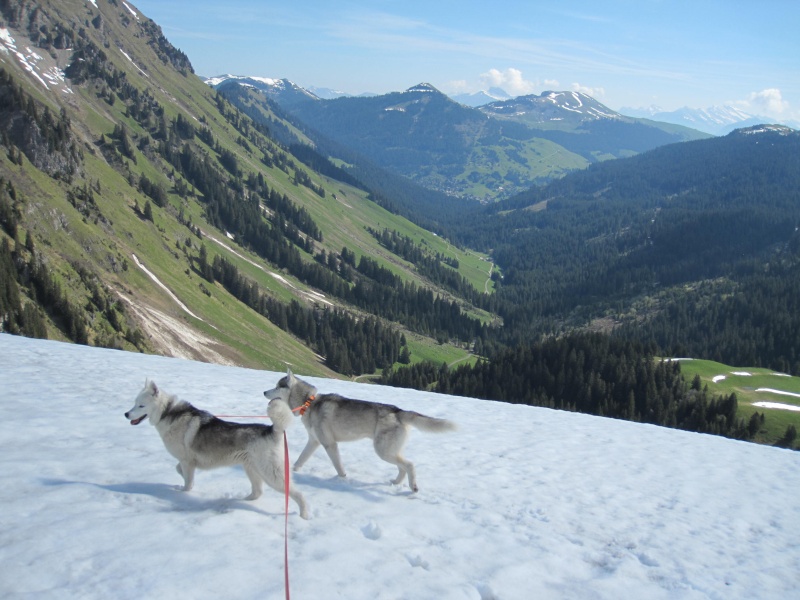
{"x": 199, "y": 440}
{"x": 330, "y": 418}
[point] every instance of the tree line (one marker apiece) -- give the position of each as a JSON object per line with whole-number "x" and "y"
{"x": 591, "y": 373}
{"x": 350, "y": 346}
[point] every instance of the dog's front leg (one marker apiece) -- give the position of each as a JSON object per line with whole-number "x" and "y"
{"x": 311, "y": 446}
{"x": 187, "y": 472}
{"x": 333, "y": 452}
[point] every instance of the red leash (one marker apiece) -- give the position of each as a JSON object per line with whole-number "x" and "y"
{"x": 286, "y": 474}
{"x": 242, "y": 416}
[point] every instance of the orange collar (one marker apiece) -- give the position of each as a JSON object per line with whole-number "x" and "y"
{"x": 304, "y": 407}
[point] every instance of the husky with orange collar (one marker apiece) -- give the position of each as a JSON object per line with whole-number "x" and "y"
{"x": 331, "y": 418}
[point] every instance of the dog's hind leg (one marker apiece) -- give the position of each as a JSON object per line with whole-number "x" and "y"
{"x": 389, "y": 445}
{"x": 186, "y": 471}
{"x": 255, "y": 481}
{"x": 275, "y": 478}
{"x": 300, "y": 499}
{"x": 310, "y": 448}
{"x": 404, "y": 467}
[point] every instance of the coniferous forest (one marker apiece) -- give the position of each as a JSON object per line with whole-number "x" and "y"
{"x": 589, "y": 373}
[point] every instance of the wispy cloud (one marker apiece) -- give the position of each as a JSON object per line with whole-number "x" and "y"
{"x": 387, "y": 32}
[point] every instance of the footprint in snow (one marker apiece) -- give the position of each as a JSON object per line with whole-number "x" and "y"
{"x": 372, "y": 531}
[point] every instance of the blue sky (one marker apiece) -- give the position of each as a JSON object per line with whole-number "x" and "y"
{"x": 623, "y": 52}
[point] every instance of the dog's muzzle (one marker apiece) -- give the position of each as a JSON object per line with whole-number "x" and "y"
{"x": 135, "y": 421}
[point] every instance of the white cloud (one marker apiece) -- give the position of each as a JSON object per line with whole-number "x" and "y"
{"x": 769, "y": 102}
{"x": 594, "y": 92}
{"x": 510, "y": 80}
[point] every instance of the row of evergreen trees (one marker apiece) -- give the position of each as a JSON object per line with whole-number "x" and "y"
{"x": 590, "y": 373}
{"x": 350, "y": 346}
{"x": 439, "y": 269}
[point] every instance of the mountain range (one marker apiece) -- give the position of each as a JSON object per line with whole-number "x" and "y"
{"x": 488, "y": 153}
{"x": 713, "y": 120}
{"x": 716, "y": 120}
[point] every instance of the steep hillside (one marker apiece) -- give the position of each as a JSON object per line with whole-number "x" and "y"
{"x": 140, "y": 210}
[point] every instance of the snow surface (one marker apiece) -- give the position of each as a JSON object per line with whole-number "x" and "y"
{"x": 777, "y": 405}
{"x": 520, "y": 502}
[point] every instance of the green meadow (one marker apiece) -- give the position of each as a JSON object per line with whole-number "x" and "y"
{"x": 753, "y": 386}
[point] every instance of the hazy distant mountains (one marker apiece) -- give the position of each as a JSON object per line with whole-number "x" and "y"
{"x": 716, "y": 120}
{"x": 483, "y": 153}
{"x": 477, "y": 99}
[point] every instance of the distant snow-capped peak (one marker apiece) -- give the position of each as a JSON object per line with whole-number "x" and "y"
{"x": 716, "y": 120}
{"x": 482, "y": 97}
{"x": 422, "y": 87}
{"x": 267, "y": 84}
{"x": 553, "y": 106}
{"x": 215, "y": 81}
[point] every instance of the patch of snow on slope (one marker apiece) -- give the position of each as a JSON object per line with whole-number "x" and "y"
{"x": 164, "y": 287}
{"x": 125, "y": 54}
{"x": 133, "y": 12}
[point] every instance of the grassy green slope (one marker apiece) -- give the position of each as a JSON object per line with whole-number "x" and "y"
{"x": 213, "y": 325}
{"x": 751, "y": 386}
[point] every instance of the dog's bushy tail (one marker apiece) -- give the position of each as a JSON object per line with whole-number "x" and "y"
{"x": 280, "y": 414}
{"x": 425, "y": 423}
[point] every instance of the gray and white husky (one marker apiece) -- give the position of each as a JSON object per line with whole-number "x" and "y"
{"x": 331, "y": 418}
{"x": 199, "y": 440}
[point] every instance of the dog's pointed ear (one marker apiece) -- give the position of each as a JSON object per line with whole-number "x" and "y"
{"x": 152, "y": 387}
